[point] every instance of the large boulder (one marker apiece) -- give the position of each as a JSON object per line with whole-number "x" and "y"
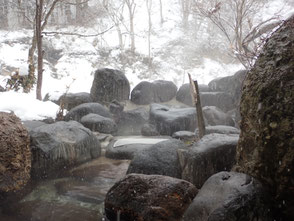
{"x": 148, "y": 198}
{"x": 184, "y": 93}
{"x": 15, "y": 153}
{"x": 84, "y": 109}
{"x": 230, "y": 84}
{"x": 58, "y": 146}
{"x": 219, "y": 129}
{"x": 169, "y": 120}
{"x": 98, "y": 123}
{"x": 32, "y": 124}
{"x": 130, "y": 122}
{"x": 212, "y": 154}
{"x": 156, "y": 92}
{"x": 71, "y": 100}
{"x": 109, "y": 85}
{"x": 161, "y": 159}
{"x": 265, "y": 149}
{"x": 222, "y": 100}
{"x": 230, "y": 196}
{"x": 215, "y": 116}
{"x": 149, "y": 130}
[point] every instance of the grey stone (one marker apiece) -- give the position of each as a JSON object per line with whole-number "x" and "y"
{"x": 98, "y": 123}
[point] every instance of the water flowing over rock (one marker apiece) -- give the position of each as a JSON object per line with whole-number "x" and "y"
{"x": 265, "y": 149}
{"x": 109, "y": 85}
{"x": 161, "y": 159}
{"x": 149, "y": 198}
{"x": 84, "y": 109}
{"x": 212, "y": 154}
{"x": 15, "y": 153}
{"x": 58, "y": 146}
{"x": 169, "y": 120}
{"x": 156, "y": 92}
{"x": 230, "y": 196}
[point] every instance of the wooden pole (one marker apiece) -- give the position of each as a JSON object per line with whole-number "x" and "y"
{"x": 196, "y": 100}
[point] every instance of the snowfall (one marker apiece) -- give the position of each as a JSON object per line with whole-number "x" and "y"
{"x": 75, "y": 73}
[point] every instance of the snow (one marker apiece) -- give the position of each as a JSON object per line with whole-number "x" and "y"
{"x": 26, "y": 107}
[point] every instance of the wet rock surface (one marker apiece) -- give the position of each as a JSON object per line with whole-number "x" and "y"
{"x": 84, "y": 109}
{"x": 212, "y": 154}
{"x": 109, "y": 85}
{"x": 153, "y": 92}
{"x": 95, "y": 122}
{"x": 265, "y": 149}
{"x": 149, "y": 197}
{"x": 56, "y": 147}
{"x": 230, "y": 196}
{"x": 160, "y": 159}
{"x": 15, "y": 153}
{"x": 169, "y": 120}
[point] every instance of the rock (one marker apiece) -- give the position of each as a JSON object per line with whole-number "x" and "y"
{"x": 32, "y": 124}
{"x": 95, "y": 122}
{"x": 115, "y": 107}
{"x": 215, "y": 116}
{"x": 212, "y": 154}
{"x": 72, "y": 100}
{"x": 230, "y": 84}
{"x": 57, "y": 147}
{"x": 220, "y": 129}
{"x": 149, "y": 130}
{"x": 184, "y": 135}
{"x": 161, "y": 159}
{"x": 109, "y": 85}
{"x": 149, "y": 198}
{"x": 130, "y": 122}
{"x": 84, "y": 109}
{"x": 265, "y": 150}
{"x": 15, "y": 153}
{"x": 235, "y": 115}
{"x": 222, "y": 100}
{"x": 169, "y": 120}
{"x": 230, "y": 196}
{"x": 184, "y": 94}
{"x": 155, "y": 92}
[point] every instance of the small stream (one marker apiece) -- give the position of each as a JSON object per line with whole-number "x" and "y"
{"x": 78, "y": 196}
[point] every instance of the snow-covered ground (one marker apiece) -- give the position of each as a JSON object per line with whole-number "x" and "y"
{"x": 80, "y": 57}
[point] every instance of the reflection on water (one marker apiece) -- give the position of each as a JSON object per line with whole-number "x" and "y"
{"x": 77, "y": 197}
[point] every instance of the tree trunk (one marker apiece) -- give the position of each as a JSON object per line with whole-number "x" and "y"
{"x": 161, "y": 12}
{"x": 39, "y": 10}
{"x": 196, "y": 99}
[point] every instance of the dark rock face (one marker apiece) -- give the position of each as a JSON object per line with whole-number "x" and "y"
{"x": 84, "y": 109}
{"x": 184, "y": 94}
{"x": 116, "y": 107}
{"x": 15, "y": 153}
{"x": 169, "y": 120}
{"x": 72, "y": 100}
{"x": 230, "y": 84}
{"x": 212, "y": 154}
{"x": 222, "y": 100}
{"x": 161, "y": 159}
{"x": 58, "y": 146}
{"x": 109, "y": 85}
{"x": 130, "y": 122}
{"x": 220, "y": 129}
{"x": 155, "y": 92}
{"x": 265, "y": 149}
{"x": 149, "y": 130}
{"x": 95, "y": 122}
{"x": 149, "y": 198}
{"x": 229, "y": 196}
{"x": 215, "y": 116}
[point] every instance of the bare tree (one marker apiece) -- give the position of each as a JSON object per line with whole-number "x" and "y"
{"x": 185, "y": 11}
{"x": 149, "y": 7}
{"x": 161, "y": 12}
{"x": 131, "y": 5}
{"x": 234, "y": 18}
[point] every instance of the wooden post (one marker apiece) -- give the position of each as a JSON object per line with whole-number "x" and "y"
{"x": 196, "y": 100}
